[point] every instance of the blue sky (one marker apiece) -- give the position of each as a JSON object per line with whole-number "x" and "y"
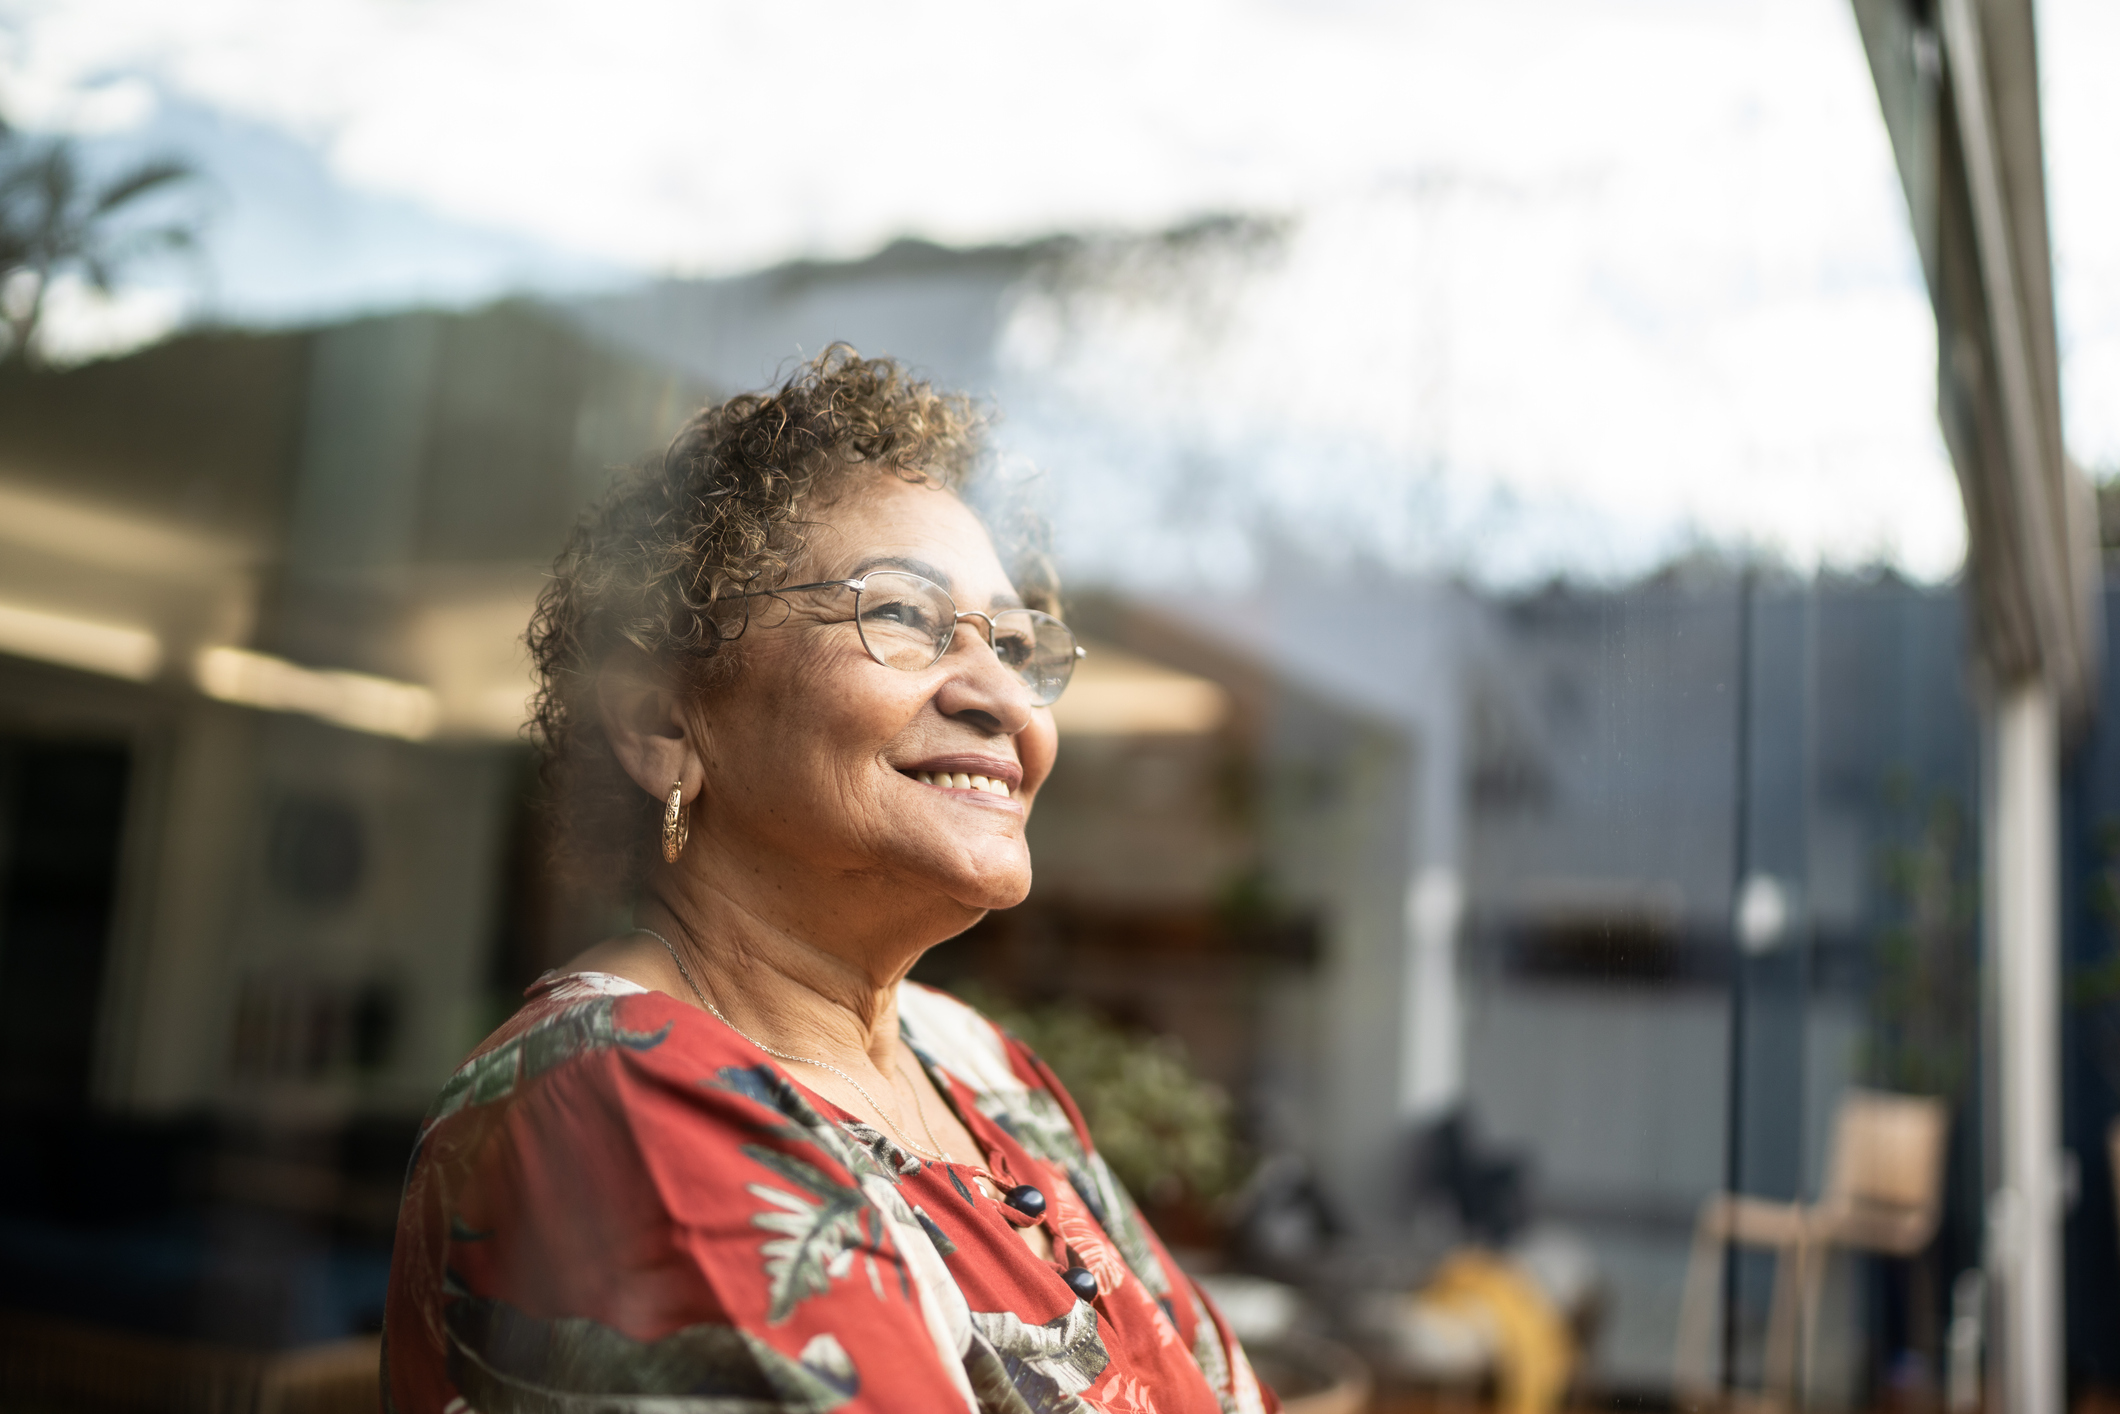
{"x": 1570, "y": 284}
{"x": 288, "y": 240}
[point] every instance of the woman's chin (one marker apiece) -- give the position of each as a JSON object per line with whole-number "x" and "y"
{"x": 988, "y": 884}
{"x": 989, "y": 900}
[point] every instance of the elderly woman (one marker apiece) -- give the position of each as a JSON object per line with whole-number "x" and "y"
{"x": 796, "y": 709}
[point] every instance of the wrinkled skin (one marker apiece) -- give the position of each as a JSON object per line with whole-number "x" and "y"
{"x": 819, "y": 869}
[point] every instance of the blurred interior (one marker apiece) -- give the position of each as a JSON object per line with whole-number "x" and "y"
{"x": 1543, "y": 954}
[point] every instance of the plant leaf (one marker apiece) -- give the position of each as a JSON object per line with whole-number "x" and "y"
{"x": 138, "y": 183}
{"x": 814, "y": 1231}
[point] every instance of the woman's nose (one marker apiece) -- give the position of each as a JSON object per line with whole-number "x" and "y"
{"x": 1001, "y": 694}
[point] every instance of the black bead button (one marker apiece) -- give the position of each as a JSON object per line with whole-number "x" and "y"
{"x": 1025, "y": 1200}
{"x": 1080, "y": 1282}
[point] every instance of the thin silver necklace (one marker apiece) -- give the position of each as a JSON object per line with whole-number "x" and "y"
{"x": 938, "y": 1152}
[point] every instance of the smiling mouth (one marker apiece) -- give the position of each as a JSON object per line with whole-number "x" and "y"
{"x": 959, "y": 780}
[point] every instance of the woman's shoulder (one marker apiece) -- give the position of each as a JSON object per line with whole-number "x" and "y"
{"x": 597, "y": 1025}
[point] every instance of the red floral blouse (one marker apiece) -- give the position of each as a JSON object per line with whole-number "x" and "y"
{"x": 620, "y": 1204}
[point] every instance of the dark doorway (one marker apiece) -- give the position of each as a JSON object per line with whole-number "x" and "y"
{"x": 62, "y": 813}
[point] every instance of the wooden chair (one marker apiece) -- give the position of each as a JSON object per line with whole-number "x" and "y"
{"x": 1883, "y": 1194}
{"x": 1727, "y": 1220}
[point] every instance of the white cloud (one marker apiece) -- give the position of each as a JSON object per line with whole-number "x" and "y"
{"x": 1600, "y": 275}
{"x": 1716, "y": 331}
{"x": 698, "y": 136}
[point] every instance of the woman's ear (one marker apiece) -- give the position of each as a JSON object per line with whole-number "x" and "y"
{"x": 654, "y": 736}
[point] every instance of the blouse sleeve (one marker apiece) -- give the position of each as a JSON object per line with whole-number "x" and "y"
{"x": 637, "y": 1221}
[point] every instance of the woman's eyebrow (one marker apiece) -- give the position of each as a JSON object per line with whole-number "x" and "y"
{"x": 902, "y": 562}
{"x": 929, "y": 572}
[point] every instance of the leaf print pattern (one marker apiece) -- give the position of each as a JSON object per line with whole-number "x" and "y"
{"x": 485, "y": 1079}
{"x": 949, "y": 1036}
{"x": 1086, "y": 1240}
{"x": 1035, "y": 1120}
{"x": 888, "y": 1156}
{"x": 508, "y": 1362}
{"x": 1019, "y": 1368}
{"x": 819, "y": 1234}
{"x": 1227, "y": 1370}
{"x": 1126, "y": 1395}
{"x": 798, "y": 1268}
{"x": 765, "y": 1086}
{"x": 770, "y": 1223}
{"x": 936, "y": 1235}
{"x": 942, "y": 1307}
{"x": 1207, "y": 1350}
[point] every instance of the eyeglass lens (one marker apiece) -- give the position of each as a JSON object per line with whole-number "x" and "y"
{"x": 906, "y": 621}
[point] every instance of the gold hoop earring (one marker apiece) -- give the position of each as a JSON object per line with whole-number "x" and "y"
{"x": 676, "y": 828}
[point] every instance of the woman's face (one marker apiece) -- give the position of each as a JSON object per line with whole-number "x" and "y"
{"x": 812, "y": 748}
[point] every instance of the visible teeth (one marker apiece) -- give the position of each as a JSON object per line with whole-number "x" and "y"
{"x": 947, "y": 780}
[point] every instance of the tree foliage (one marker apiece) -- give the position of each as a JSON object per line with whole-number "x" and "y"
{"x": 1164, "y": 1129}
{"x": 56, "y": 219}
{"x": 1925, "y": 1004}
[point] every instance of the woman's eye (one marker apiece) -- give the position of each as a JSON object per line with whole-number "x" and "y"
{"x": 898, "y": 614}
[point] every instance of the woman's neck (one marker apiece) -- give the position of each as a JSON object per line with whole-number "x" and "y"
{"x": 823, "y": 987}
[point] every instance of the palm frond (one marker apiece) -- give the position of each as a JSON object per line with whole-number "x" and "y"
{"x": 148, "y": 177}
{"x": 55, "y": 219}
{"x": 59, "y": 178}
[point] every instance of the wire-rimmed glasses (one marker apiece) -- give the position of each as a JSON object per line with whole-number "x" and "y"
{"x": 908, "y": 622}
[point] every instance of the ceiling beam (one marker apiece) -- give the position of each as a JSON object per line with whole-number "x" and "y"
{"x": 1958, "y": 81}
